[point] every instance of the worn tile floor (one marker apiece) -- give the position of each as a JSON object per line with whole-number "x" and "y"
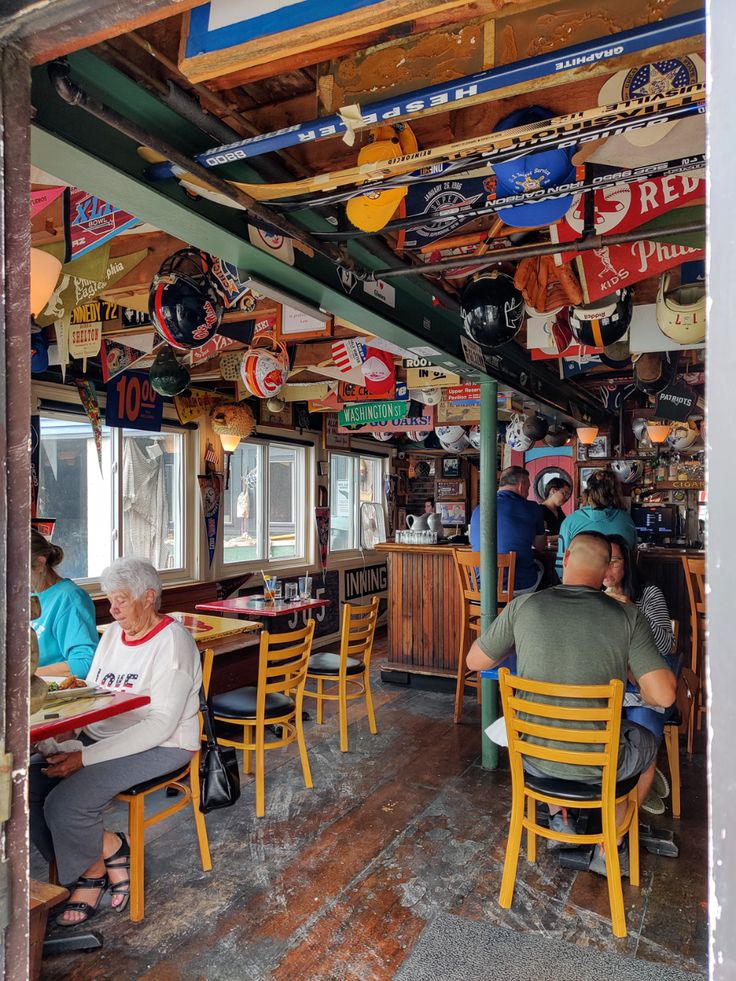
{"x": 338, "y": 882}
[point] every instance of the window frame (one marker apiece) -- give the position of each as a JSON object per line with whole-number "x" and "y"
{"x": 355, "y": 455}
{"x": 187, "y": 572}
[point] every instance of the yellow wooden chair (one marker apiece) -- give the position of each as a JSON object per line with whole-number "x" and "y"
{"x": 275, "y": 701}
{"x": 523, "y": 699}
{"x": 694, "y": 570}
{"x": 467, "y": 575}
{"x": 349, "y": 670}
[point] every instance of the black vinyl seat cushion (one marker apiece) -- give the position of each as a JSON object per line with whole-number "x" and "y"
{"x": 144, "y": 785}
{"x": 575, "y": 789}
{"x": 240, "y": 703}
{"x": 326, "y": 663}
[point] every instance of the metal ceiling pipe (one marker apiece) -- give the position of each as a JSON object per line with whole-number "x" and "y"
{"x": 74, "y": 95}
{"x": 530, "y": 251}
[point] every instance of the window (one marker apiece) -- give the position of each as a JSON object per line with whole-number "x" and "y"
{"x": 129, "y": 503}
{"x": 354, "y": 480}
{"x": 264, "y": 511}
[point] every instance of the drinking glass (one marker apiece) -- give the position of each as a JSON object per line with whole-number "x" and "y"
{"x": 291, "y": 591}
{"x": 273, "y": 588}
{"x": 305, "y": 587}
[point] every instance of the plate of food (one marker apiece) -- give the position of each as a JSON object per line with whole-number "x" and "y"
{"x": 69, "y": 689}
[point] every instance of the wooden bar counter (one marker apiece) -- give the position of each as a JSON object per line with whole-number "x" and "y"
{"x": 423, "y": 609}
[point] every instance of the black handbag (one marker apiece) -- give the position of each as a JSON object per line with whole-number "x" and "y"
{"x": 219, "y": 776}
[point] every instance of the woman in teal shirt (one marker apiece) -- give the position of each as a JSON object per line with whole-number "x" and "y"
{"x": 66, "y": 629}
{"x": 603, "y": 511}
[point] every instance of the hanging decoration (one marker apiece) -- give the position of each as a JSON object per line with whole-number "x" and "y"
{"x": 197, "y": 403}
{"x": 85, "y": 341}
{"x": 210, "y": 489}
{"x": 322, "y": 520}
{"x": 88, "y": 398}
{"x": 264, "y": 372}
{"x": 348, "y": 354}
{"x": 43, "y": 197}
{"x": 116, "y": 357}
{"x": 379, "y": 372}
{"x": 390, "y": 482}
{"x": 90, "y": 222}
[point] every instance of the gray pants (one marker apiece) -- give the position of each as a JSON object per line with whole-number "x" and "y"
{"x": 66, "y": 812}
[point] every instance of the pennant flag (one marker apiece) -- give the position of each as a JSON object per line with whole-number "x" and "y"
{"x": 85, "y": 341}
{"x": 90, "y": 222}
{"x": 232, "y": 285}
{"x": 76, "y": 289}
{"x": 196, "y": 403}
{"x": 272, "y": 242}
{"x": 210, "y": 488}
{"x": 62, "y": 342}
{"x": 116, "y": 358}
{"x": 96, "y": 310}
{"x": 348, "y": 354}
{"x": 322, "y": 520}
{"x": 43, "y": 198}
{"x": 432, "y": 199}
{"x": 88, "y": 398}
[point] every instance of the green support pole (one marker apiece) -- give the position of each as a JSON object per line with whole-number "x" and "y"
{"x": 488, "y": 559}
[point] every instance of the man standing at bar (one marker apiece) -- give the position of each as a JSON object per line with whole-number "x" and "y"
{"x": 573, "y": 635}
{"x": 520, "y": 525}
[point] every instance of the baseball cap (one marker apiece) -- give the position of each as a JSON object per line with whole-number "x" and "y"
{"x": 373, "y": 210}
{"x": 653, "y": 78}
{"x": 533, "y": 171}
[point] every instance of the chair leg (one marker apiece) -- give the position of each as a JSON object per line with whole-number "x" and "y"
{"x": 634, "y": 841}
{"x": 342, "y": 705}
{"x": 369, "y": 703}
{"x": 613, "y": 873}
{"x": 248, "y": 737}
{"x": 136, "y": 833}
{"x": 320, "y": 701}
{"x": 691, "y": 730}
{"x": 477, "y": 689}
{"x": 459, "y": 688}
{"x": 260, "y": 771}
{"x": 301, "y": 742}
{"x": 531, "y": 838}
{"x": 513, "y": 844}
{"x": 199, "y": 822}
{"x": 672, "y": 743}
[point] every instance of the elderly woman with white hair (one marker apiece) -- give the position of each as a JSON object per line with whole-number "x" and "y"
{"x": 146, "y": 653}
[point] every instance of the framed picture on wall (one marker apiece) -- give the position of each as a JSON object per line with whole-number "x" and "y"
{"x": 297, "y": 325}
{"x": 444, "y": 489}
{"x": 600, "y": 448}
{"x": 450, "y": 466}
{"x": 282, "y": 420}
{"x": 331, "y": 438}
{"x": 452, "y": 512}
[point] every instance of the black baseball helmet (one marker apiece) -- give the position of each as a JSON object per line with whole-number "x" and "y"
{"x": 536, "y": 426}
{"x": 603, "y": 322}
{"x": 184, "y": 305}
{"x": 492, "y": 309}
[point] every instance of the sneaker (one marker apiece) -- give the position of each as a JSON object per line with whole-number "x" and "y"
{"x": 560, "y": 822}
{"x": 660, "y": 786}
{"x": 598, "y": 862}
{"x": 652, "y": 803}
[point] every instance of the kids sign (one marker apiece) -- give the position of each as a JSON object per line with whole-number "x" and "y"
{"x": 132, "y": 403}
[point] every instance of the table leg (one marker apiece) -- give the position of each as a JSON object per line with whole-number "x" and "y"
{"x": 488, "y": 715}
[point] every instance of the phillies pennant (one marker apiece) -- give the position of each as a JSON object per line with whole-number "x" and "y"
{"x": 43, "y": 197}
{"x": 90, "y": 222}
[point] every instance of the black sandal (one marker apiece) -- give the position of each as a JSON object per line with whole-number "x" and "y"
{"x": 100, "y": 882}
{"x": 120, "y": 860}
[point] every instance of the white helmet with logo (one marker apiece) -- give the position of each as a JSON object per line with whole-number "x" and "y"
{"x": 452, "y": 438}
{"x": 681, "y": 312}
{"x": 516, "y": 438}
{"x": 427, "y": 396}
{"x": 474, "y": 437}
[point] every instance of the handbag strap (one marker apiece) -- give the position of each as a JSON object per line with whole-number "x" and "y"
{"x": 209, "y": 729}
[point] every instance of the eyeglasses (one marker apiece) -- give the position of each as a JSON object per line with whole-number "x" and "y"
{"x": 615, "y": 561}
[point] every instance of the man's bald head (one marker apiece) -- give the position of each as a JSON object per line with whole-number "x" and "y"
{"x": 586, "y": 560}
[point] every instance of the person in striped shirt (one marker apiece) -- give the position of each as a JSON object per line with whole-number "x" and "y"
{"x": 623, "y": 583}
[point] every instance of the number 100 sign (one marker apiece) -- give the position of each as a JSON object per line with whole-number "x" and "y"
{"x": 132, "y": 403}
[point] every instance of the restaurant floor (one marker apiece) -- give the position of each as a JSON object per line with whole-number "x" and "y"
{"x": 339, "y": 882}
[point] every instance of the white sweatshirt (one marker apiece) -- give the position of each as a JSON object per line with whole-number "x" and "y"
{"x": 164, "y": 665}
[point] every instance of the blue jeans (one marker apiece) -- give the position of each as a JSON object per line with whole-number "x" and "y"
{"x": 646, "y": 717}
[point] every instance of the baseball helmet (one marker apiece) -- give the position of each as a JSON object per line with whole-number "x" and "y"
{"x": 474, "y": 437}
{"x": 452, "y": 438}
{"x": 558, "y": 436}
{"x": 264, "y": 372}
{"x": 167, "y": 375}
{"x": 603, "y": 322}
{"x": 184, "y": 305}
{"x": 492, "y": 309}
{"x": 417, "y": 435}
{"x": 682, "y": 435}
{"x": 681, "y": 312}
{"x": 426, "y": 396}
{"x": 654, "y": 372}
{"x": 627, "y": 471}
{"x": 381, "y": 435}
{"x": 515, "y": 436}
{"x": 536, "y": 427}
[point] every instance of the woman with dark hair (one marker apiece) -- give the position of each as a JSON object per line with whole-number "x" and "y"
{"x": 623, "y": 583}
{"x": 66, "y": 629}
{"x": 557, "y": 492}
{"x": 603, "y": 512}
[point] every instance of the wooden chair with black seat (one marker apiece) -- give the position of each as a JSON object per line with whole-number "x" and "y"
{"x": 185, "y": 780}
{"x": 694, "y": 570}
{"x": 467, "y": 574}
{"x": 242, "y": 715}
{"x": 688, "y": 685}
{"x": 530, "y": 713}
{"x": 349, "y": 670}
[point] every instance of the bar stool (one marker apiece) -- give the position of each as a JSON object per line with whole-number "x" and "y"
{"x": 694, "y": 570}
{"x": 467, "y": 572}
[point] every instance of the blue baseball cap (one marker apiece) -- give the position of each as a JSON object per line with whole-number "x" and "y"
{"x": 39, "y": 352}
{"x": 547, "y": 168}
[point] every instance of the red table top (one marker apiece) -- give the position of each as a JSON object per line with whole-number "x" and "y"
{"x": 83, "y": 713}
{"x": 244, "y": 604}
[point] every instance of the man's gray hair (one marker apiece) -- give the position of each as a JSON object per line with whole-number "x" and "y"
{"x": 132, "y": 576}
{"x": 512, "y": 476}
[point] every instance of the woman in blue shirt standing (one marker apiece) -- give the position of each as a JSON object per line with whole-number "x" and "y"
{"x": 603, "y": 511}
{"x": 66, "y": 629}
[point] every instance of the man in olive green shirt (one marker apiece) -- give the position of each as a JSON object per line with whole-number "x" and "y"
{"x": 574, "y": 634}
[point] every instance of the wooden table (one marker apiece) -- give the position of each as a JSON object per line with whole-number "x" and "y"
{"x": 246, "y": 606}
{"x": 81, "y": 712}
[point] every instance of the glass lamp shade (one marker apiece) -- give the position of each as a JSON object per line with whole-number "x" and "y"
{"x": 587, "y": 434}
{"x": 658, "y": 431}
{"x": 45, "y": 271}
{"x": 229, "y": 442}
